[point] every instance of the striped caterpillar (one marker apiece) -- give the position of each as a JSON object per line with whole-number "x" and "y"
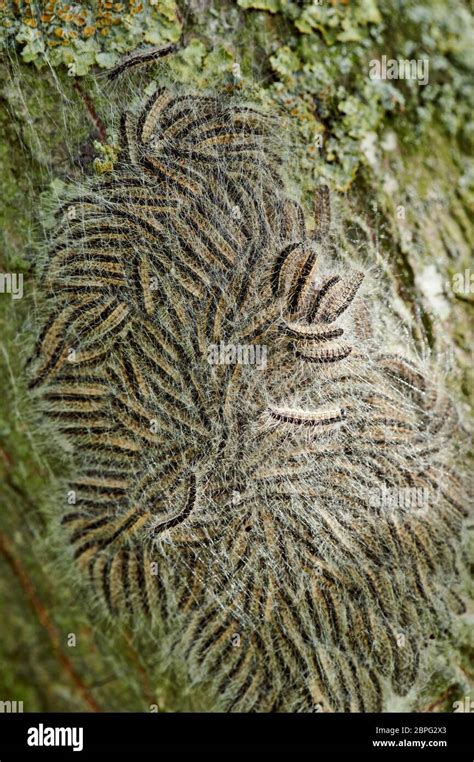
{"x": 192, "y": 241}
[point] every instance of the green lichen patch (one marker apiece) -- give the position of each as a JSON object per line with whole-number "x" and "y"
{"x": 81, "y": 35}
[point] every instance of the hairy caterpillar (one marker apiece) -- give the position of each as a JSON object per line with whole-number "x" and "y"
{"x": 140, "y": 58}
{"x": 194, "y": 242}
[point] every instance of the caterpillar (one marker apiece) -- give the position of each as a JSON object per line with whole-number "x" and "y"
{"x": 312, "y": 418}
{"x": 139, "y": 59}
{"x": 194, "y": 241}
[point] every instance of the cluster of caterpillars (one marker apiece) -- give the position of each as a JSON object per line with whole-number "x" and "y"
{"x": 237, "y": 501}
